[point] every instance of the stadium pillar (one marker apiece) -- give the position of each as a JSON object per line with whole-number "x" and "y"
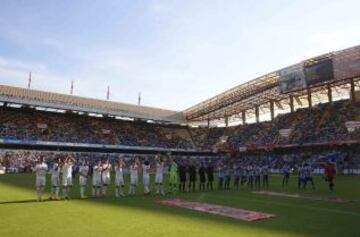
{"x": 226, "y": 121}
{"x": 272, "y": 110}
{"x": 208, "y": 123}
{"x": 309, "y": 97}
{"x": 329, "y": 92}
{"x": 291, "y": 103}
{"x": 243, "y": 116}
{"x": 352, "y": 90}
{"x": 257, "y": 114}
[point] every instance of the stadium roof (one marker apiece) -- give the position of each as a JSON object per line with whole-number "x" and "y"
{"x": 335, "y": 69}
{"x": 344, "y": 64}
{"x": 31, "y": 97}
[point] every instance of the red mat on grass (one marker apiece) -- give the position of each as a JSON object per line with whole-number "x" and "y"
{"x": 236, "y": 213}
{"x": 313, "y": 198}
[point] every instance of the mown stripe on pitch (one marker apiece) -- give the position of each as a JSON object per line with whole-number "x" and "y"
{"x": 289, "y": 205}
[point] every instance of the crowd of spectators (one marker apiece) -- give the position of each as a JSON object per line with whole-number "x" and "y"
{"x": 322, "y": 123}
{"x": 33, "y": 125}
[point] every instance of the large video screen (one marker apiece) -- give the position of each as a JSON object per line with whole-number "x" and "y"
{"x": 319, "y": 71}
{"x": 292, "y": 79}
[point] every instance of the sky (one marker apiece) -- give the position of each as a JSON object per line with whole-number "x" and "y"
{"x": 176, "y": 53}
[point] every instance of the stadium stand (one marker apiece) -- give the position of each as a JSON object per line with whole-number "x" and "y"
{"x": 33, "y": 125}
{"x": 322, "y": 123}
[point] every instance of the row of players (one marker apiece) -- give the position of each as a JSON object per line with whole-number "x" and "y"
{"x": 62, "y": 175}
{"x": 101, "y": 171}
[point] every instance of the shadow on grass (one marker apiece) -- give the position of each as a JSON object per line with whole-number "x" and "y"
{"x": 22, "y": 201}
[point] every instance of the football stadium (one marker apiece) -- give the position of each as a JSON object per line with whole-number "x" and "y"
{"x": 276, "y": 155}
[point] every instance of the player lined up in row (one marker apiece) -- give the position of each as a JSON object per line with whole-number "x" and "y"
{"x": 62, "y": 173}
{"x": 305, "y": 175}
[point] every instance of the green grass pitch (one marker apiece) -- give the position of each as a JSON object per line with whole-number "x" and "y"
{"x": 141, "y": 216}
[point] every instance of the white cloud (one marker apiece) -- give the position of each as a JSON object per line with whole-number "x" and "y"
{"x": 336, "y": 39}
{"x": 16, "y": 73}
{"x": 159, "y": 7}
{"x": 15, "y": 36}
{"x": 199, "y": 49}
{"x": 52, "y": 42}
{"x": 27, "y": 40}
{"x": 21, "y": 65}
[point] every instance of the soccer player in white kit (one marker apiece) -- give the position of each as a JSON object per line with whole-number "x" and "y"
{"x": 134, "y": 170}
{"x": 96, "y": 179}
{"x": 106, "y": 169}
{"x": 66, "y": 169}
{"x": 40, "y": 169}
{"x": 119, "y": 178}
{"x": 146, "y": 176}
{"x": 55, "y": 179}
{"x": 159, "y": 175}
{"x": 83, "y": 177}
